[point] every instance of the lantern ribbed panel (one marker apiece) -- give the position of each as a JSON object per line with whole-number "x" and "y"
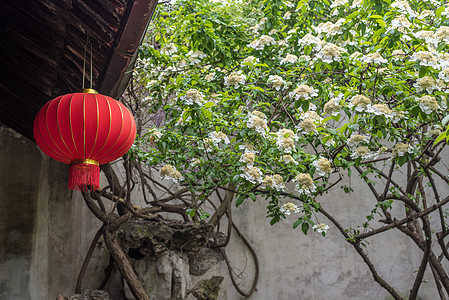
{"x": 80, "y": 126}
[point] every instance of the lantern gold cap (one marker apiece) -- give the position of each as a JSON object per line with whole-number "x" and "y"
{"x": 90, "y": 91}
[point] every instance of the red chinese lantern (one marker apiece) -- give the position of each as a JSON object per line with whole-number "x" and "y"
{"x": 84, "y": 130}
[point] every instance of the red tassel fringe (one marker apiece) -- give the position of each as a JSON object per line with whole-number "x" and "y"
{"x": 83, "y": 176}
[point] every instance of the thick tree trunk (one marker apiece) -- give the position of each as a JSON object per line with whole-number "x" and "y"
{"x": 124, "y": 266}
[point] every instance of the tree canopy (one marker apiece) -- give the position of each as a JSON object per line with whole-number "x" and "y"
{"x": 282, "y": 100}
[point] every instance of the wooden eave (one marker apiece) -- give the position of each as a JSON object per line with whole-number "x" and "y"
{"x": 42, "y": 47}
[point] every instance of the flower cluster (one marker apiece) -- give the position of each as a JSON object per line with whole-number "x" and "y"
{"x": 276, "y": 82}
{"x": 274, "y": 182}
{"x": 193, "y": 96}
{"x": 320, "y": 228}
{"x": 428, "y": 104}
{"x": 235, "y": 79}
{"x": 252, "y": 174}
{"x": 303, "y": 91}
{"x": 169, "y": 172}
{"x": 400, "y": 149}
{"x": 305, "y": 184}
{"x": 322, "y": 166}
{"x": 258, "y": 122}
{"x": 218, "y": 136}
{"x": 289, "y": 208}
{"x": 261, "y": 42}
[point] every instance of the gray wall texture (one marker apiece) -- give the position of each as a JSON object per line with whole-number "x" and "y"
{"x": 45, "y": 232}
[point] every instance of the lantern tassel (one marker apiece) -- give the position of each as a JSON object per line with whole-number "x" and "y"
{"x": 84, "y": 174}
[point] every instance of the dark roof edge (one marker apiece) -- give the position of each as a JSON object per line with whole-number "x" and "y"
{"x": 117, "y": 72}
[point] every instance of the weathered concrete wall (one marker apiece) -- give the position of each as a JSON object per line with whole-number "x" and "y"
{"x": 313, "y": 267}
{"x": 45, "y": 229}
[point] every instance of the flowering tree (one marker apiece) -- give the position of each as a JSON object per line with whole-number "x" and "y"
{"x": 282, "y": 100}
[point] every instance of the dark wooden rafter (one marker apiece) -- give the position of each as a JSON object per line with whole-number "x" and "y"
{"x": 41, "y": 53}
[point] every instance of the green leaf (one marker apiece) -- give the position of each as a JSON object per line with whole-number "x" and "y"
{"x": 440, "y": 10}
{"x": 209, "y": 104}
{"x": 252, "y": 196}
{"x": 422, "y": 72}
{"x": 296, "y": 224}
{"x": 441, "y": 137}
{"x": 258, "y": 88}
{"x": 351, "y": 16}
{"x": 206, "y": 113}
{"x": 305, "y": 227}
{"x": 381, "y": 22}
{"x": 240, "y": 200}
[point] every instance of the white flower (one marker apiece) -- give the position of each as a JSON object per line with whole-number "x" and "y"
{"x": 374, "y": 57}
{"x": 278, "y": 183}
{"x": 276, "y": 82}
{"x": 304, "y": 184}
{"x": 257, "y": 123}
{"x": 310, "y": 114}
{"x": 218, "y": 136}
{"x": 426, "y": 35}
{"x": 357, "y": 139}
{"x": 337, "y": 3}
{"x": 289, "y": 208}
{"x": 425, "y": 58}
{"x": 329, "y": 53}
{"x": 444, "y": 75}
{"x": 261, "y": 42}
{"x": 307, "y": 125}
{"x": 360, "y": 102}
{"x": 169, "y": 49}
{"x": 209, "y": 77}
{"x": 398, "y": 116}
{"x": 329, "y": 28}
{"x": 426, "y": 83}
{"x": 428, "y": 104}
{"x": 193, "y": 96}
{"x": 397, "y": 55}
{"x": 401, "y": 23}
{"x": 253, "y": 175}
{"x": 400, "y": 149}
{"x": 235, "y": 79}
{"x": 303, "y": 91}
{"x": 169, "y": 172}
{"x": 442, "y": 34}
{"x": 443, "y": 60}
{"x": 195, "y": 57}
{"x": 289, "y": 58}
{"x": 289, "y": 159}
{"x": 322, "y": 166}
{"x": 320, "y": 228}
{"x": 287, "y": 15}
{"x": 247, "y": 147}
{"x": 356, "y": 3}
{"x": 381, "y": 109}
{"x": 332, "y": 107}
{"x": 362, "y": 152}
{"x": 247, "y": 158}
{"x": 286, "y": 144}
{"x": 250, "y": 60}
{"x": 425, "y": 13}
{"x": 403, "y": 7}
{"x": 308, "y": 39}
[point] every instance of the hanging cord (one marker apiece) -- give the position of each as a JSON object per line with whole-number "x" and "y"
{"x": 88, "y": 44}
